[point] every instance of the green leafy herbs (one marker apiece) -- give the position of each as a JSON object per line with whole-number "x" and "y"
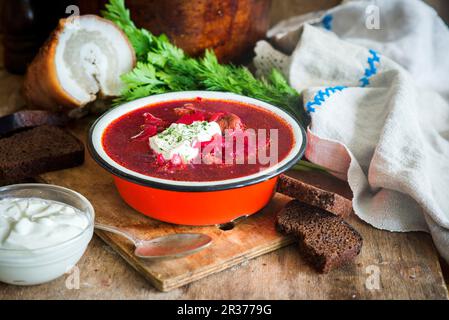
{"x": 308, "y": 166}
{"x": 163, "y": 67}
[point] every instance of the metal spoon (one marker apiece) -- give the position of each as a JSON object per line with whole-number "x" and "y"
{"x": 166, "y": 247}
{"x": 231, "y": 224}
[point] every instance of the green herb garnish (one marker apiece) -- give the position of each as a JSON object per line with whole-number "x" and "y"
{"x": 163, "y": 67}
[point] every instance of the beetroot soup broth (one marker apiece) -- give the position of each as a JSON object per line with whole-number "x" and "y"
{"x": 136, "y": 154}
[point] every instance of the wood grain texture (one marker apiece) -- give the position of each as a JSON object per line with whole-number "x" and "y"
{"x": 407, "y": 262}
{"x": 408, "y": 266}
{"x": 279, "y": 275}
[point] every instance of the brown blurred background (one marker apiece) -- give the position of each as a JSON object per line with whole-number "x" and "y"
{"x": 230, "y": 27}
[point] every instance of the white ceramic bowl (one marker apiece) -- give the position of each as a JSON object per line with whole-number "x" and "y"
{"x": 30, "y": 267}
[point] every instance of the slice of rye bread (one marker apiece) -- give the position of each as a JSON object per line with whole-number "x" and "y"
{"x": 325, "y": 240}
{"x": 314, "y": 196}
{"x": 26, "y": 119}
{"x": 38, "y": 150}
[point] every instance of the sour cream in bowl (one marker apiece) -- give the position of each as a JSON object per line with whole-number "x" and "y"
{"x": 44, "y": 231}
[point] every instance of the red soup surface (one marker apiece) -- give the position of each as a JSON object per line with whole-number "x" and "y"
{"x": 136, "y": 154}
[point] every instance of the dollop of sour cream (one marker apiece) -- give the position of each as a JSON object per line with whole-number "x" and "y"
{"x": 33, "y": 223}
{"x": 182, "y": 139}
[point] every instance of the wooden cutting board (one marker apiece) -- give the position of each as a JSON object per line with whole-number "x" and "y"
{"x": 248, "y": 239}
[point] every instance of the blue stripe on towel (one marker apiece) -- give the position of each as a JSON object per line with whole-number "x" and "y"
{"x": 321, "y": 96}
{"x": 324, "y": 94}
{"x": 371, "y": 69}
{"x": 327, "y": 21}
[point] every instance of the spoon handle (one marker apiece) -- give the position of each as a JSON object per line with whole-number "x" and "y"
{"x": 117, "y": 231}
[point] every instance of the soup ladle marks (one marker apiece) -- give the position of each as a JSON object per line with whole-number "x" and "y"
{"x": 170, "y": 246}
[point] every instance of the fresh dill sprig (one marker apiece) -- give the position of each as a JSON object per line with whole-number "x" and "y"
{"x": 163, "y": 67}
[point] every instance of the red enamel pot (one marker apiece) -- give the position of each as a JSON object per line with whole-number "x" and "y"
{"x": 194, "y": 202}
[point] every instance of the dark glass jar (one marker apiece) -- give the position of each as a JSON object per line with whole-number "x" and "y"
{"x": 25, "y": 25}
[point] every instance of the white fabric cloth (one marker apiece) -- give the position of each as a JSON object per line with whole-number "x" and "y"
{"x": 379, "y": 106}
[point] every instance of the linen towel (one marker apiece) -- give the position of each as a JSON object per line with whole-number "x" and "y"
{"x": 377, "y": 93}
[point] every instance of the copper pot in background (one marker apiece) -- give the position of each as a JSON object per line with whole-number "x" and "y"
{"x": 230, "y": 27}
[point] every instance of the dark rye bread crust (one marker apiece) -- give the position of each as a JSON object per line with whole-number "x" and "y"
{"x": 314, "y": 196}
{"x": 38, "y": 150}
{"x": 325, "y": 240}
{"x": 26, "y": 119}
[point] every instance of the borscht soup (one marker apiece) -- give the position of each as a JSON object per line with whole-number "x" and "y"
{"x": 198, "y": 140}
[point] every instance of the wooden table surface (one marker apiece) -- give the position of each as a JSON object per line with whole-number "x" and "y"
{"x": 407, "y": 264}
